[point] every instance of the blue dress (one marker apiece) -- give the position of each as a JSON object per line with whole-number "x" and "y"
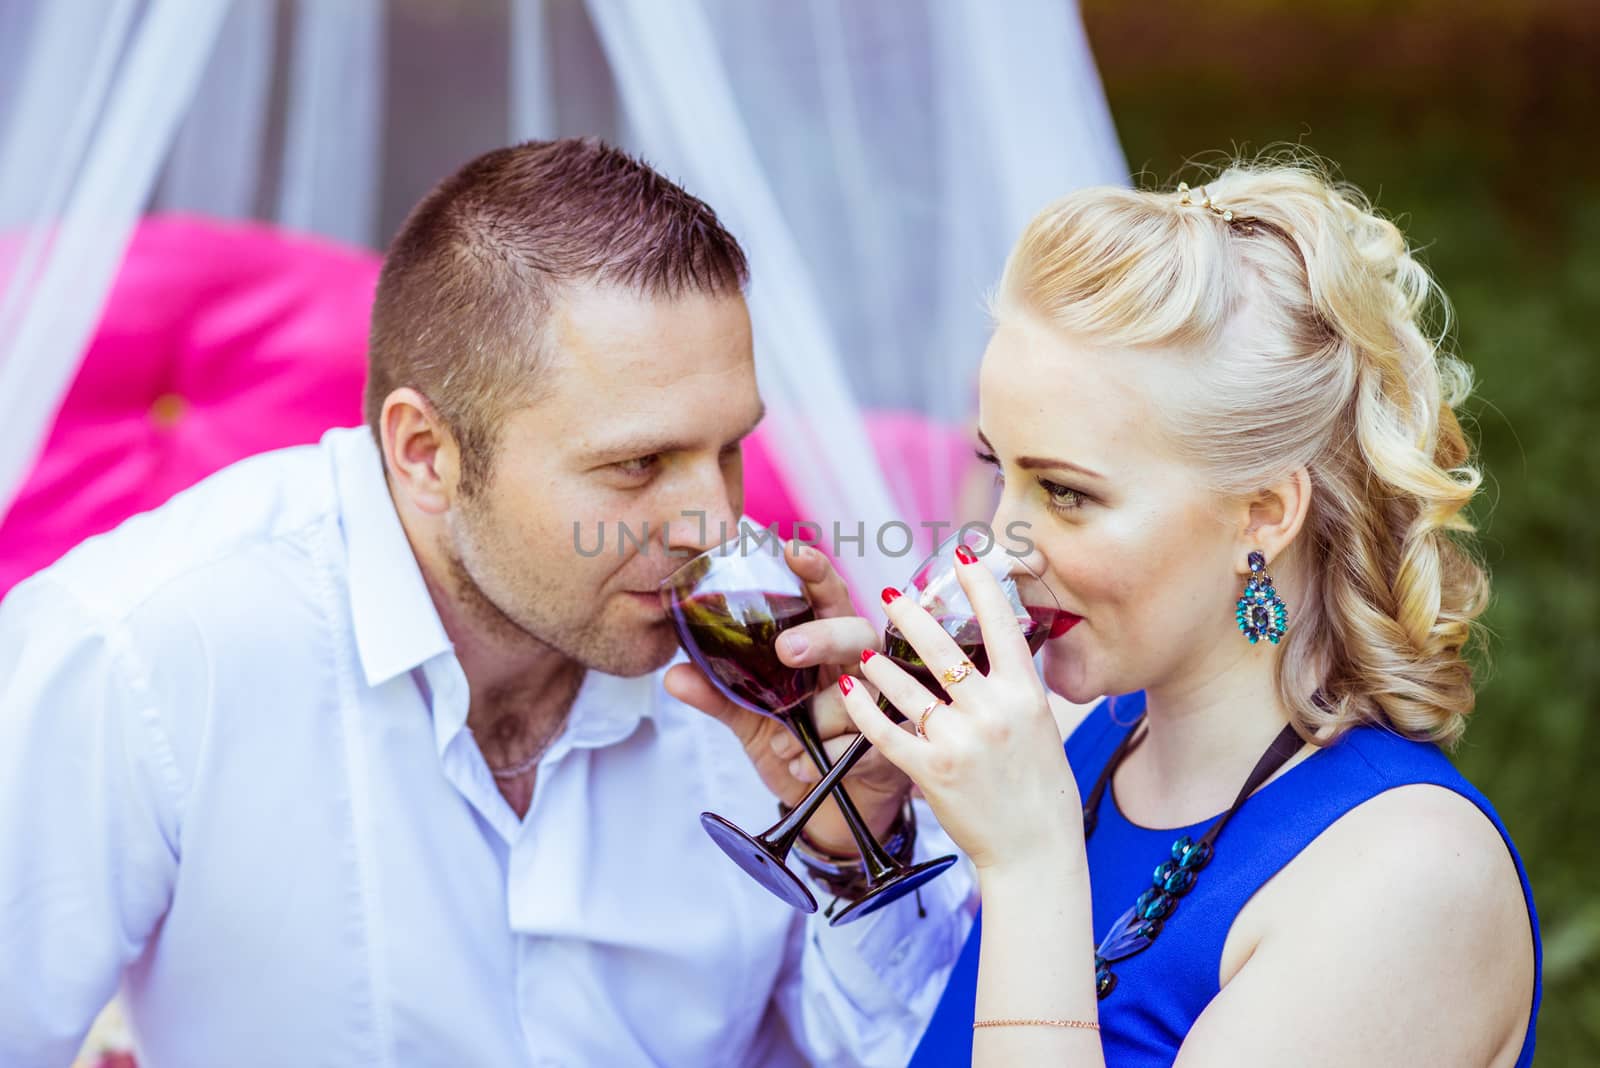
{"x": 1162, "y": 991}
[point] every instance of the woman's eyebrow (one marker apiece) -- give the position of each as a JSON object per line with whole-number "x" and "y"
{"x": 1041, "y": 463}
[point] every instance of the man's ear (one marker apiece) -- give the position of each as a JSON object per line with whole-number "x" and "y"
{"x": 1271, "y": 518}
{"x": 419, "y": 451}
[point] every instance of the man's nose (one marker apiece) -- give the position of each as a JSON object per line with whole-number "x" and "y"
{"x": 707, "y": 513}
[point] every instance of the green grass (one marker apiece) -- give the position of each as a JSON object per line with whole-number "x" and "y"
{"x": 1490, "y": 164}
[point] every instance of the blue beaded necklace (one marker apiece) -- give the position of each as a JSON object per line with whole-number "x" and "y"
{"x": 1175, "y": 876}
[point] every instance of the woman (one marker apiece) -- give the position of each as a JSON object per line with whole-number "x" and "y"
{"x": 1234, "y": 446}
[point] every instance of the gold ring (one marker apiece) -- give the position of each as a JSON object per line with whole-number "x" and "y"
{"x": 954, "y": 675}
{"x": 922, "y": 720}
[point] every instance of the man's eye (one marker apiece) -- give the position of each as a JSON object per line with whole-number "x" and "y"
{"x": 639, "y": 465}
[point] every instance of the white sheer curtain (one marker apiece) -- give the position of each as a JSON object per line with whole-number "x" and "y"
{"x": 876, "y": 159}
{"x": 92, "y": 94}
{"x": 322, "y": 172}
{"x": 334, "y": 129}
{"x": 533, "y": 88}
{"x": 216, "y": 164}
{"x": 811, "y": 410}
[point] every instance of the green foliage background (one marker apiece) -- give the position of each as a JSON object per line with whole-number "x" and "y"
{"x": 1476, "y": 126}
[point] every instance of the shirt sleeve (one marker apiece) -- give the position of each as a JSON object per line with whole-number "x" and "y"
{"x": 862, "y": 994}
{"x": 88, "y": 802}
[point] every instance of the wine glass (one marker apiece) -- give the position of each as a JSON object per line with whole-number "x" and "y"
{"x": 935, "y": 587}
{"x": 728, "y": 605}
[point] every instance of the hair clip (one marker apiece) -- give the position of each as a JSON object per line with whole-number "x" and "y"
{"x": 1205, "y": 201}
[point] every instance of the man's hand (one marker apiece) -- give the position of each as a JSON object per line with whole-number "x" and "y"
{"x": 833, "y": 643}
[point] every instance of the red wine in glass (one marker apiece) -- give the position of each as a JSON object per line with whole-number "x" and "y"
{"x": 728, "y": 606}
{"x": 733, "y": 638}
{"x": 1041, "y": 625}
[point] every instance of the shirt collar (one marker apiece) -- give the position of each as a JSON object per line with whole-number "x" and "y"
{"x": 396, "y": 624}
{"x": 606, "y": 710}
{"x": 609, "y": 708}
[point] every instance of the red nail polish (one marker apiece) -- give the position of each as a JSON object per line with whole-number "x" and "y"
{"x": 846, "y": 684}
{"x": 867, "y": 654}
{"x": 890, "y": 595}
{"x": 966, "y": 555}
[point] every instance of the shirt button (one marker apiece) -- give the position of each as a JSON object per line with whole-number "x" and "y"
{"x": 899, "y": 954}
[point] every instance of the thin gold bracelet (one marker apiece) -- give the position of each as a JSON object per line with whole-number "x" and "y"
{"x": 1086, "y": 1025}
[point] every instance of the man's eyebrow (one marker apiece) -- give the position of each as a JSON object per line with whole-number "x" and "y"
{"x": 1043, "y": 463}
{"x": 648, "y": 444}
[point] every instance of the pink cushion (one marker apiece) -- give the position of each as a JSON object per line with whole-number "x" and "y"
{"x": 222, "y": 340}
{"x": 218, "y": 341}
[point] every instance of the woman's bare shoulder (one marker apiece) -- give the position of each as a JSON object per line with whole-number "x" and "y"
{"x": 1410, "y": 911}
{"x": 1416, "y": 848}
{"x": 1423, "y": 832}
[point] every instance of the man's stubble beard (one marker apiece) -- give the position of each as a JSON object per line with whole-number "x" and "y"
{"x": 517, "y": 616}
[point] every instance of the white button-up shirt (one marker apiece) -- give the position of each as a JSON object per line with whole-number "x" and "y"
{"x": 236, "y": 776}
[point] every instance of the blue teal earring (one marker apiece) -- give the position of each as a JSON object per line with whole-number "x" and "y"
{"x": 1261, "y": 612}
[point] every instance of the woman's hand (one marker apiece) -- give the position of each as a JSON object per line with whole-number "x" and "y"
{"x": 990, "y": 763}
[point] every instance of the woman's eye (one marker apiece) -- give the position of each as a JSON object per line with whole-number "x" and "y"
{"x": 991, "y": 460}
{"x": 1062, "y": 497}
{"x": 639, "y": 465}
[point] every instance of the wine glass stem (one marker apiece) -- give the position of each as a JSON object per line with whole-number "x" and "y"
{"x": 877, "y": 860}
{"x": 784, "y": 832}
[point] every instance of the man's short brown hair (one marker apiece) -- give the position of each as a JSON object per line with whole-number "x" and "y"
{"x": 468, "y": 284}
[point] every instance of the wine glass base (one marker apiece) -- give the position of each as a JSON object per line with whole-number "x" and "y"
{"x": 745, "y": 851}
{"x": 891, "y": 890}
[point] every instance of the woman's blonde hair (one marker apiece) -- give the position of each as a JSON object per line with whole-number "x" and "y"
{"x": 1302, "y": 312}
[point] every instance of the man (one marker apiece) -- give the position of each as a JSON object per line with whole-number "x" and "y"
{"x": 349, "y": 756}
